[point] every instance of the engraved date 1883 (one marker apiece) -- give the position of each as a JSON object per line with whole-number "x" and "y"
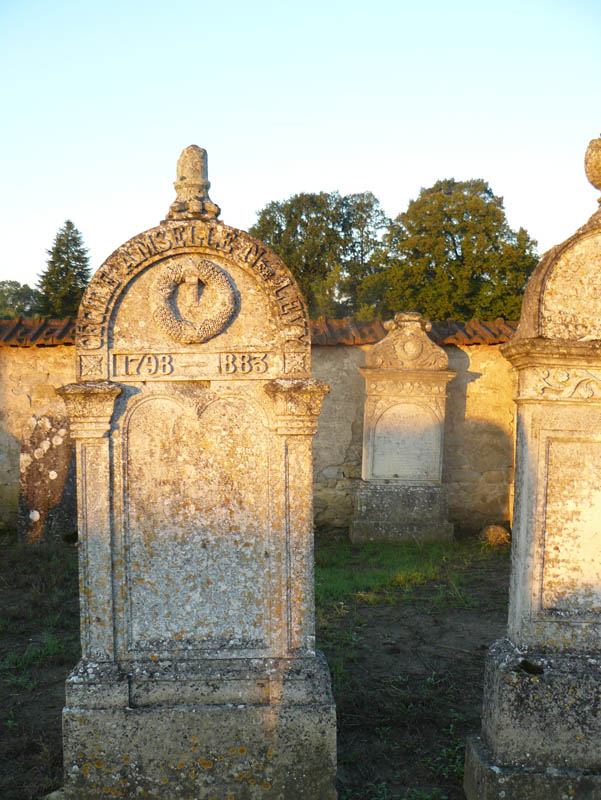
{"x": 243, "y": 363}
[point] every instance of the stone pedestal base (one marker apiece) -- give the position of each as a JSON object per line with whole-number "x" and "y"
{"x": 241, "y": 729}
{"x": 541, "y": 727}
{"x": 396, "y": 512}
{"x": 487, "y": 780}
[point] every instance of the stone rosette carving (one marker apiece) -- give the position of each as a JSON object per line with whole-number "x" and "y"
{"x": 164, "y": 308}
{"x": 90, "y": 366}
{"x": 407, "y": 346}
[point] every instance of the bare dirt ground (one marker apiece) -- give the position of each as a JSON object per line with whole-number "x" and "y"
{"x": 407, "y": 671}
{"x": 410, "y": 686}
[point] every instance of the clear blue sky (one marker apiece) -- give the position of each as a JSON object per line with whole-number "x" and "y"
{"x": 99, "y": 98}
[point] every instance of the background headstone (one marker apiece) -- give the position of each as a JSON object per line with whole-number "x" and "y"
{"x": 401, "y": 495}
{"x": 193, "y": 416}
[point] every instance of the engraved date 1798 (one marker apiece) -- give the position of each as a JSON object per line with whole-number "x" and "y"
{"x": 148, "y": 364}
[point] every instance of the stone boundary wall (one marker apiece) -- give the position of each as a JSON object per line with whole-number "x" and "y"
{"x": 478, "y": 454}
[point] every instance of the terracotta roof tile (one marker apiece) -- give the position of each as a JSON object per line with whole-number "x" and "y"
{"x": 36, "y": 332}
{"x": 473, "y": 332}
{"x": 329, "y": 332}
{"x": 350, "y": 331}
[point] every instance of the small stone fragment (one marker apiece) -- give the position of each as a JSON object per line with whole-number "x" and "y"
{"x": 495, "y": 535}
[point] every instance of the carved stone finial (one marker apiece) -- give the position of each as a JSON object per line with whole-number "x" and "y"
{"x": 192, "y": 187}
{"x": 407, "y": 317}
{"x": 592, "y": 163}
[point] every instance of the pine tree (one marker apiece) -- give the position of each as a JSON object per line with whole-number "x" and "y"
{"x": 62, "y": 283}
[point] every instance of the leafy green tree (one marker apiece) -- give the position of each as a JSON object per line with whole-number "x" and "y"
{"x": 364, "y": 254}
{"x": 62, "y": 283}
{"x": 452, "y": 255}
{"x": 17, "y": 300}
{"x": 329, "y": 242}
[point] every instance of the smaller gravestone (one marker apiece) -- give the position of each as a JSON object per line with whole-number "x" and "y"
{"x": 541, "y": 719}
{"x": 401, "y": 495}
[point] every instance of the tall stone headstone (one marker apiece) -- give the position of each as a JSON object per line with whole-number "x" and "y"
{"x": 541, "y": 724}
{"x": 193, "y": 414}
{"x": 401, "y": 495}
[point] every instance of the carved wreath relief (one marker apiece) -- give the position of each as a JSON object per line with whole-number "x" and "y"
{"x": 164, "y": 306}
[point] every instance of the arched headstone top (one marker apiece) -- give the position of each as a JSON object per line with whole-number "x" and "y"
{"x": 193, "y": 285}
{"x": 563, "y": 296}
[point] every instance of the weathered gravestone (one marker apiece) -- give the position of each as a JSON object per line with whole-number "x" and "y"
{"x": 401, "y": 495}
{"x": 193, "y": 415}
{"x": 541, "y": 723}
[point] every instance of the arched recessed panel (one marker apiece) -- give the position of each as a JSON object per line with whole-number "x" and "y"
{"x": 407, "y": 444}
{"x": 196, "y": 535}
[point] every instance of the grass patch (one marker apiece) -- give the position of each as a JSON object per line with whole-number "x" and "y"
{"x": 407, "y": 679}
{"x": 374, "y": 572}
{"x": 39, "y": 644}
{"x": 405, "y": 699}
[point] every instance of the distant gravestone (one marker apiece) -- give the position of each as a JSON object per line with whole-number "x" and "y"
{"x": 193, "y": 414}
{"x": 401, "y": 495}
{"x": 541, "y": 723}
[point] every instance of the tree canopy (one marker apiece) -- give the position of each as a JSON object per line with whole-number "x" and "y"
{"x": 17, "y": 300}
{"x": 67, "y": 274}
{"x": 330, "y": 243}
{"x": 452, "y": 255}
